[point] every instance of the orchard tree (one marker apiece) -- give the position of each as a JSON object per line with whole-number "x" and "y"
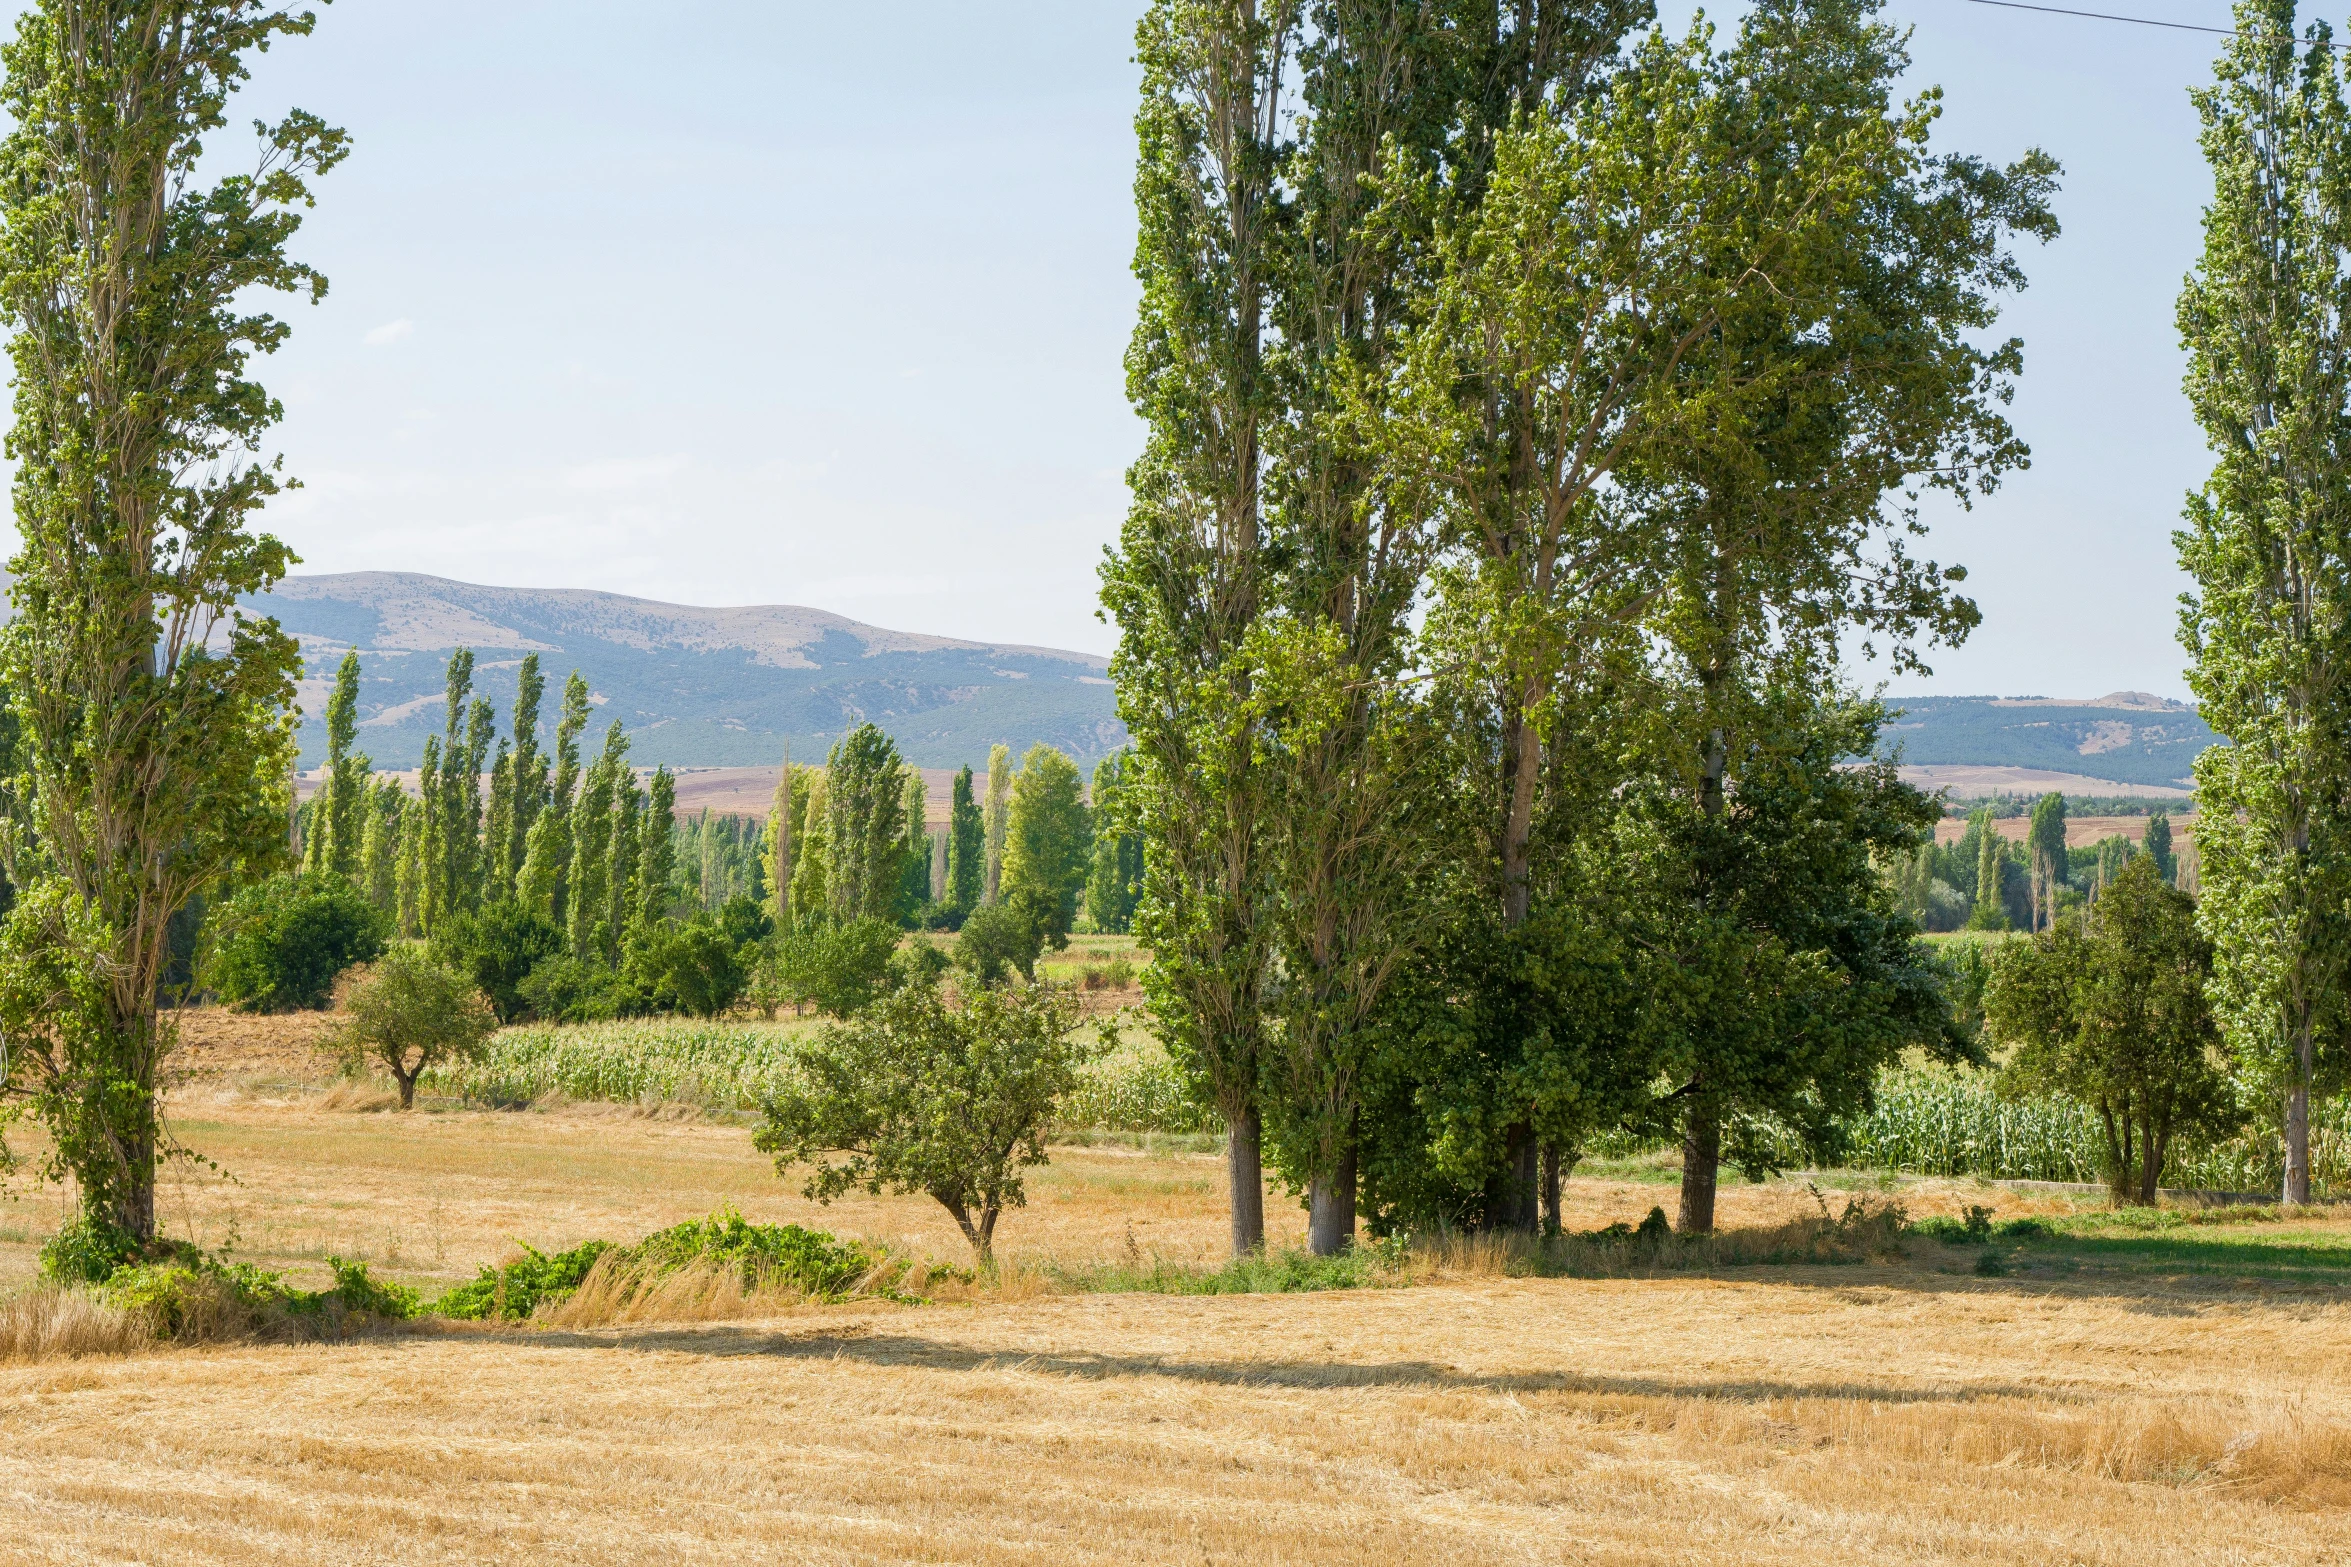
{"x": 2109, "y": 1009}
{"x": 2266, "y": 317}
{"x": 155, "y": 745}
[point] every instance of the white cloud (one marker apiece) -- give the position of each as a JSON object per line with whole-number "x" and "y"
{"x": 621, "y": 473}
{"x": 390, "y": 332}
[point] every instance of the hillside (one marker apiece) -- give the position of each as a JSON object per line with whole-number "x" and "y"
{"x": 2125, "y": 737}
{"x": 696, "y": 686}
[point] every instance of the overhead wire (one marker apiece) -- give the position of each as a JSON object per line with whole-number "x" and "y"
{"x": 2139, "y": 21}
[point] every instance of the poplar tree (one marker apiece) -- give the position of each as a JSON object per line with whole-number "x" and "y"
{"x": 529, "y": 774}
{"x": 2266, "y": 319}
{"x": 812, "y": 852}
{"x": 590, "y": 890}
{"x": 1184, "y": 584}
{"x": 997, "y": 814}
{"x": 422, "y": 855}
{"x": 335, "y": 840}
{"x": 2048, "y": 860}
{"x": 914, "y": 880}
{"x": 547, "y": 854}
{"x": 967, "y": 849}
{"x": 498, "y": 828}
{"x": 2159, "y": 846}
{"x": 1048, "y": 844}
{"x": 777, "y": 846}
{"x": 379, "y": 854}
{"x": 154, "y": 747}
{"x": 865, "y": 828}
{"x": 1115, "y": 882}
{"x": 657, "y": 850}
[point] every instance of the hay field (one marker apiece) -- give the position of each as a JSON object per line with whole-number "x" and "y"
{"x": 2099, "y": 1411}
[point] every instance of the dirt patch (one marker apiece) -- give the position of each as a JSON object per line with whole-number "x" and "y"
{"x": 216, "y": 1042}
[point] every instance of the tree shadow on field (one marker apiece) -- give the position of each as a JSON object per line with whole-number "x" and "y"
{"x": 918, "y": 1353}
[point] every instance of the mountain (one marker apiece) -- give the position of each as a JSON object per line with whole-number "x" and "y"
{"x": 696, "y": 687}
{"x": 2124, "y": 738}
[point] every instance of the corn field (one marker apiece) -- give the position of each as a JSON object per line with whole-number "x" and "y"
{"x": 720, "y": 1066}
{"x": 1135, "y": 1088}
{"x": 1930, "y": 1122}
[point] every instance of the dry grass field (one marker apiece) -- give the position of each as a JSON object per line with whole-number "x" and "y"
{"x": 2089, "y": 1407}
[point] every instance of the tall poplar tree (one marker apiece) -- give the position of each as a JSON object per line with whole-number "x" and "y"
{"x": 2266, "y": 318}
{"x": 529, "y": 777}
{"x": 865, "y": 829}
{"x": 339, "y": 815}
{"x": 996, "y": 814}
{"x": 154, "y": 747}
{"x": 1184, "y": 584}
{"x": 967, "y": 849}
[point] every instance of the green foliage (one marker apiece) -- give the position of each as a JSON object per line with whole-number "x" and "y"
{"x": 1048, "y": 843}
{"x": 88, "y": 1249}
{"x": 513, "y": 1290}
{"x": 761, "y": 1256}
{"x": 693, "y": 968}
{"x": 839, "y": 969}
{"x": 155, "y": 744}
{"x": 498, "y": 948}
{"x": 997, "y": 940}
{"x": 1115, "y": 884}
{"x": 411, "y": 1013}
{"x": 1134, "y": 1087}
{"x": 565, "y": 989}
{"x": 280, "y": 945}
{"x": 865, "y": 831}
{"x": 918, "y": 1094}
{"x": 967, "y": 851}
{"x": 2110, "y": 1010}
{"x": 2266, "y": 318}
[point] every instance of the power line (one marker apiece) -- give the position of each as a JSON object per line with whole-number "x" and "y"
{"x": 2136, "y": 21}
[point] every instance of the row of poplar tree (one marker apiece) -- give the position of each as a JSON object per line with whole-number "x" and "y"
{"x": 591, "y": 851}
{"x": 1537, "y": 401}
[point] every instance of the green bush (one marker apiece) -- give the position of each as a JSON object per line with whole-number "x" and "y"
{"x": 758, "y": 1254}
{"x": 514, "y": 1290}
{"x": 565, "y": 989}
{"x": 88, "y": 1251}
{"x": 997, "y": 940}
{"x": 279, "y": 945}
{"x": 691, "y": 968}
{"x": 840, "y": 968}
{"x": 499, "y": 948}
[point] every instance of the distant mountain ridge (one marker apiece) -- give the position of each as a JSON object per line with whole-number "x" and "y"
{"x": 695, "y": 686}
{"x": 2124, "y": 737}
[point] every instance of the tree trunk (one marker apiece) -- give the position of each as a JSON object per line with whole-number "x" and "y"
{"x": 2151, "y": 1148}
{"x": 1551, "y": 1181}
{"x": 1516, "y": 1205}
{"x": 1701, "y": 1165}
{"x": 1330, "y": 1209}
{"x": 1245, "y": 1171}
{"x": 2297, "y": 1183}
{"x": 407, "y": 1081}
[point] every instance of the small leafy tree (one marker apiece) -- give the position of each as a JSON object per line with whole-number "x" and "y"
{"x": 411, "y": 1013}
{"x": 837, "y": 968}
{"x": 498, "y": 948}
{"x": 2109, "y": 1009}
{"x": 998, "y": 938}
{"x": 692, "y": 968}
{"x": 920, "y": 1094}
{"x": 279, "y": 946}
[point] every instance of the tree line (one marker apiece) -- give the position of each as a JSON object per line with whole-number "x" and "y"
{"x": 1536, "y": 401}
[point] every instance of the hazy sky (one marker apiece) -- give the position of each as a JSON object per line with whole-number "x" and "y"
{"x": 733, "y": 302}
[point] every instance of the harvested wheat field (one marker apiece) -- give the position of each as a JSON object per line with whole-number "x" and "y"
{"x": 2184, "y": 1397}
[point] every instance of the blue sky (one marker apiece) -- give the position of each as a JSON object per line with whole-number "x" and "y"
{"x": 730, "y": 302}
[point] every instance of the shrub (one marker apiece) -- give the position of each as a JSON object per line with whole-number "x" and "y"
{"x": 499, "y": 948}
{"x": 840, "y": 968}
{"x": 279, "y": 946}
{"x": 917, "y": 1094}
{"x": 88, "y": 1251}
{"x": 566, "y": 989}
{"x": 690, "y": 968}
{"x": 917, "y": 963}
{"x": 514, "y": 1290}
{"x": 996, "y": 940}
{"x": 410, "y": 1013}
